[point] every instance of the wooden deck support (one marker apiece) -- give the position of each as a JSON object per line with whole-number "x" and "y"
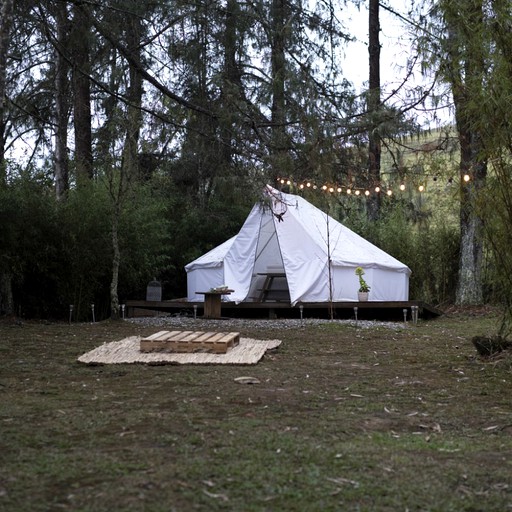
{"x": 366, "y": 310}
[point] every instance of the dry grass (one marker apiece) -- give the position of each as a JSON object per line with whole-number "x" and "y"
{"x": 342, "y": 419}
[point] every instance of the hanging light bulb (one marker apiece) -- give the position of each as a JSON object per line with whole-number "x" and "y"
{"x": 421, "y": 188}
{"x": 324, "y": 187}
{"x": 389, "y": 193}
{"x": 466, "y": 178}
{"x": 349, "y": 191}
{"x": 338, "y": 190}
{"x": 288, "y": 182}
{"x": 301, "y": 186}
{"x": 308, "y": 184}
{"x": 331, "y": 190}
{"x": 402, "y": 187}
{"x": 282, "y": 182}
{"x": 357, "y": 192}
{"x": 377, "y": 189}
{"x": 366, "y": 193}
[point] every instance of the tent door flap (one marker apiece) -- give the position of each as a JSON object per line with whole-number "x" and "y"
{"x": 275, "y": 288}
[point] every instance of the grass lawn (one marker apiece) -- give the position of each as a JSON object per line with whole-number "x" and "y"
{"x": 343, "y": 419}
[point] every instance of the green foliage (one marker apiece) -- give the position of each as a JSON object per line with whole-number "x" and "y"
{"x": 429, "y": 248}
{"x": 60, "y": 253}
{"x": 363, "y": 285}
{"x": 31, "y": 245}
{"x": 496, "y": 207}
{"x": 86, "y": 253}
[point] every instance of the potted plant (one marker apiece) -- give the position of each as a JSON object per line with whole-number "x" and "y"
{"x": 364, "y": 289}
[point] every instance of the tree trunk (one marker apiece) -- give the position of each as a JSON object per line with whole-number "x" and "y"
{"x": 61, "y": 103}
{"x": 279, "y": 147}
{"x": 6, "y": 13}
{"x": 470, "y": 286}
{"x": 465, "y": 71}
{"x": 374, "y": 103}
{"x": 116, "y": 262}
{"x": 82, "y": 96}
{"x": 231, "y": 84}
{"x": 129, "y": 162}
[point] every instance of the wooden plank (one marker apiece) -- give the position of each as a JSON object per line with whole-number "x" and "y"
{"x": 193, "y": 336}
{"x": 215, "y": 337}
{"x": 190, "y": 341}
{"x": 205, "y": 336}
{"x": 157, "y": 335}
{"x": 180, "y": 335}
{"x": 230, "y": 336}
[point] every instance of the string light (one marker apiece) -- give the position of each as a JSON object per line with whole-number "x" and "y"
{"x": 349, "y": 190}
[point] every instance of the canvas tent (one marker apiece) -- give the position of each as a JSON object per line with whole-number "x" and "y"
{"x": 318, "y": 256}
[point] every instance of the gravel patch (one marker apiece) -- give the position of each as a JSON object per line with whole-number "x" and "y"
{"x": 232, "y": 324}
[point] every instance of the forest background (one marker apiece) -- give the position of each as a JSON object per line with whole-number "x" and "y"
{"x": 148, "y": 129}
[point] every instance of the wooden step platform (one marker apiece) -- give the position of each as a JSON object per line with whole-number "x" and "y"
{"x": 190, "y": 341}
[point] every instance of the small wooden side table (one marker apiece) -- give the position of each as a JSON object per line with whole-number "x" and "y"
{"x": 212, "y": 302}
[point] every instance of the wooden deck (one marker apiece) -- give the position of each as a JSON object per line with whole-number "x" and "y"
{"x": 371, "y": 310}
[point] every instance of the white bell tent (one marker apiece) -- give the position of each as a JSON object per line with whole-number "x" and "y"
{"x": 285, "y": 234}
